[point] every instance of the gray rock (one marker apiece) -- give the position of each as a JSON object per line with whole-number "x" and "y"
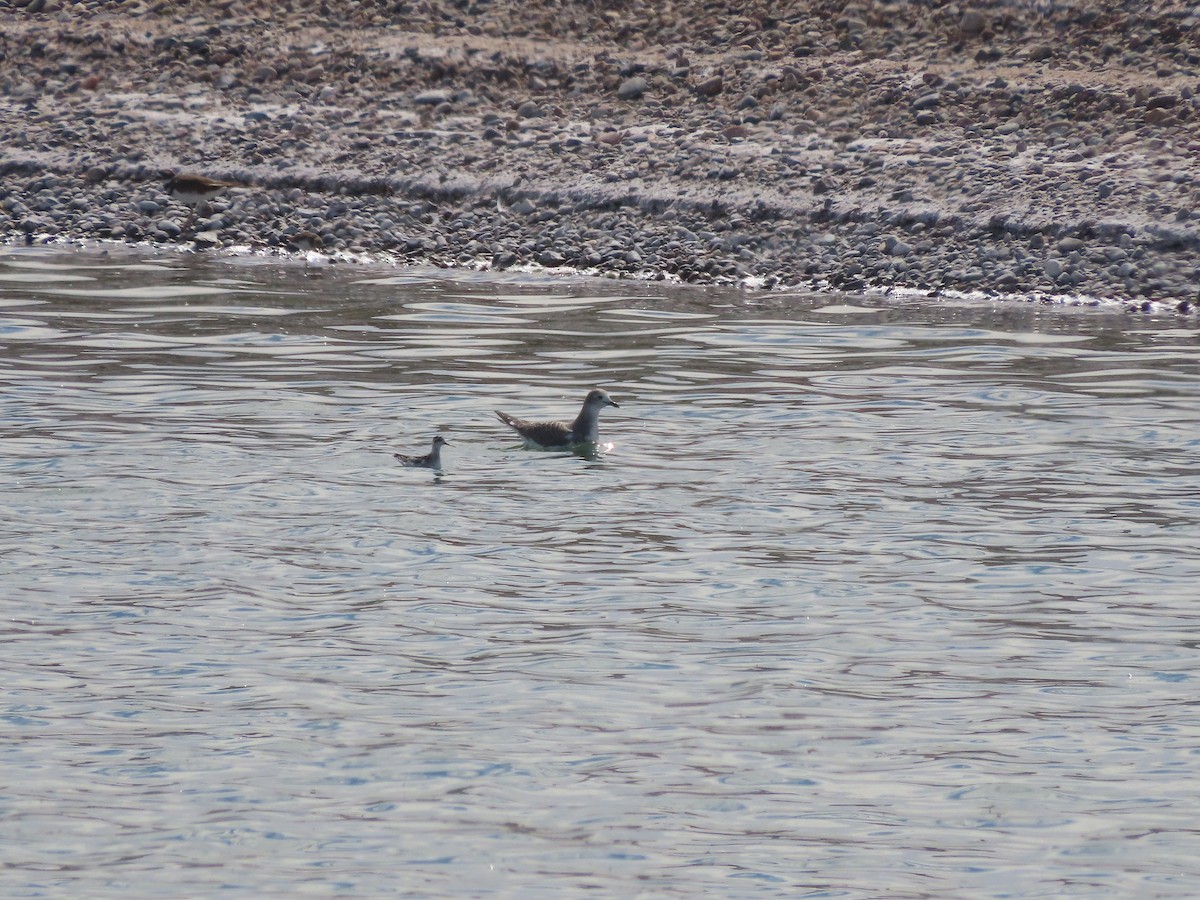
{"x": 632, "y": 88}
{"x": 431, "y": 98}
{"x": 710, "y": 87}
{"x": 972, "y": 22}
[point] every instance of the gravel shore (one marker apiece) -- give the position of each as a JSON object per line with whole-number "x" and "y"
{"x": 1035, "y": 148}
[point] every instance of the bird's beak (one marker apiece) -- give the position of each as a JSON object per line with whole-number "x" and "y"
{"x": 612, "y": 402}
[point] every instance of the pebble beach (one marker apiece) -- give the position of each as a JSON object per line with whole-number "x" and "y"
{"x": 1036, "y": 150}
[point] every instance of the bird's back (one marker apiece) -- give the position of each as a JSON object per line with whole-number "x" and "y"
{"x": 544, "y": 434}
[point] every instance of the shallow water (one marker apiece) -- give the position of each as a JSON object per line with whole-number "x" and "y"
{"x": 866, "y": 597}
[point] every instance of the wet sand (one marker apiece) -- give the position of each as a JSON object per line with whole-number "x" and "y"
{"x": 1031, "y": 149}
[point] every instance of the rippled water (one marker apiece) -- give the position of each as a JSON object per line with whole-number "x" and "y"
{"x": 867, "y": 597}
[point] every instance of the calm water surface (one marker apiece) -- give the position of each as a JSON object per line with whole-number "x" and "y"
{"x": 865, "y": 597}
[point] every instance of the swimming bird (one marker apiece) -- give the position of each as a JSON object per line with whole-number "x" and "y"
{"x": 431, "y": 460}
{"x": 561, "y": 435}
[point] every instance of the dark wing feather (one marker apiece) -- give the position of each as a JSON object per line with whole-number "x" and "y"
{"x": 412, "y": 460}
{"x": 544, "y": 434}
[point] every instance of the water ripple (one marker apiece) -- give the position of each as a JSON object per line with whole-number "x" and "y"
{"x": 861, "y": 598}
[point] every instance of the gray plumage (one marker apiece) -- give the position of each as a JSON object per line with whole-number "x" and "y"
{"x": 431, "y": 460}
{"x": 555, "y": 435}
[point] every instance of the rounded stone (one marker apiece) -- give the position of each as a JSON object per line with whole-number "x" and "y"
{"x": 431, "y": 98}
{"x": 972, "y": 22}
{"x": 632, "y": 88}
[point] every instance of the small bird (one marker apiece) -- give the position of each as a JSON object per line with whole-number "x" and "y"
{"x": 194, "y": 190}
{"x": 560, "y": 435}
{"x": 431, "y": 460}
{"x": 304, "y": 241}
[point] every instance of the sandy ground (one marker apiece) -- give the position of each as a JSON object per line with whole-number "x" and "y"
{"x": 1026, "y": 148}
